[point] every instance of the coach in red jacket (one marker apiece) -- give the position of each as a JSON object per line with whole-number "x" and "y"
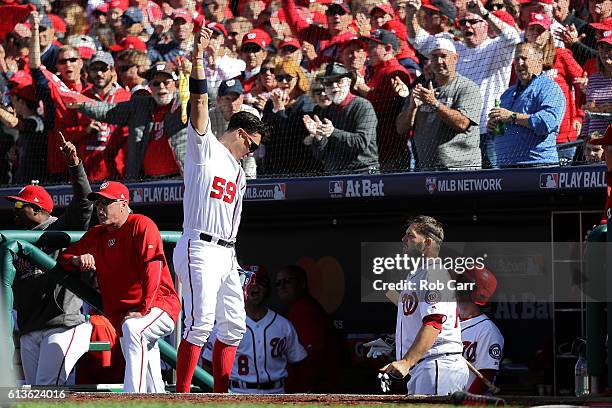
{"x": 127, "y": 254}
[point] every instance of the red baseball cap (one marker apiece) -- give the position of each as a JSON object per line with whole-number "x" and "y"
{"x": 102, "y": 8}
{"x": 59, "y": 25}
{"x": 21, "y": 85}
{"x": 486, "y": 283}
{"x": 218, "y": 28}
{"x": 355, "y": 40}
{"x": 182, "y": 13}
{"x": 605, "y": 24}
{"x": 506, "y": 17}
{"x": 111, "y": 189}
{"x": 119, "y": 4}
{"x": 396, "y": 27}
{"x": 129, "y": 43}
{"x": 289, "y": 41}
{"x": 607, "y": 37}
{"x": 386, "y": 8}
{"x": 257, "y": 37}
{"x": 539, "y": 19}
{"x": 35, "y": 195}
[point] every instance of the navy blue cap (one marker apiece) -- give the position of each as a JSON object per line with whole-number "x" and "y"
{"x": 230, "y": 86}
{"x": 132, "y": 15}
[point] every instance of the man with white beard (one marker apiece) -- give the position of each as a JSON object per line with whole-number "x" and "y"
{"x": 157, "y": 132}
{"x": 343, "y": 135}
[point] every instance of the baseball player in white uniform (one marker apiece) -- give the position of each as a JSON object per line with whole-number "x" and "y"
{"x": 204, "y": 257}
{"x": 269, "y": 345}
{"x": 483, "y": 343}
{"x": 427, "y": 334}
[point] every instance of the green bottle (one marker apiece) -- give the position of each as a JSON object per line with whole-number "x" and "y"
{"x": 500, "y": 128}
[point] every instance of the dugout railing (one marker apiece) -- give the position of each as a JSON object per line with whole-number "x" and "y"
{"x": 22, "y": 244}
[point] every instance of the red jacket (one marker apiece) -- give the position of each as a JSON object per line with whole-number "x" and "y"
{"x": 328, "y": 47}
{"x": 103, "y": 155}
{"x": 565, "y": 70}
{"x": 387, "y": 105}
{"x": 124, "y": 260}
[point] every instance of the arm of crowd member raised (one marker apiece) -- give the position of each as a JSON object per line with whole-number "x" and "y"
{"x": 34, "y": 55}
{"x": 78, "y": 213}
{"x": 417, "y": 36}
{"x": 295, "y": 22}
{"x": 198, "y": 88}
{"x": 40, "y": 81}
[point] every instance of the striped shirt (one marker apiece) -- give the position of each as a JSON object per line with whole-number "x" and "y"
{"x": 599, "y": 90}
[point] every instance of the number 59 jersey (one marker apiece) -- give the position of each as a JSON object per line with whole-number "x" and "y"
{"x": 214, "y": 186}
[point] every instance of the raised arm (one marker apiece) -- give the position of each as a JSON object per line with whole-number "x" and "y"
{"x": 197, "y": 82}
{"x": 34, "y": 55}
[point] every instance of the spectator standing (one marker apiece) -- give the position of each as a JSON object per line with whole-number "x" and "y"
{"x": 237, "y": 28}
{"x": 48, "y": 49}
{"x": 526, "y": 7}
{"x": 127, "y": 254}
{"x": 531, "y": 111}
{"x": 285, "y": 152}
{"x": 321, "y": 45}
{"x": 353, "y": 56}
{"x": 30, "y": 129}
{"x": 559, "y": 64}
{"x": 444, "y": 117}
{"x": 156, "y": 148}
{"x": 379, "y": 90}
{"x": 263, "y": 359}
{"x": 57, "y": 114}
{"x": 344, "y": 137}
{"x": 132, "y": 68}
{"x": 53, "y": 331}
{"x": 314, "y": 329}
{"x": 438, "y": 16}
{"x": 561, "y": 13}
{"x": 103, "y": 146}
{"x": 598, "y": 93}
{"x": 182, "y": 42}
{"x": 483, "y": 60}
{"x": 253, "y": 53}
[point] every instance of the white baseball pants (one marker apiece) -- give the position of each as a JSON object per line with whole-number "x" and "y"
{"x": 48, "y": 356}
{"x": 211, "y": 290}
{"x": 439, "y": 376}
{"x": 141, "y": 351}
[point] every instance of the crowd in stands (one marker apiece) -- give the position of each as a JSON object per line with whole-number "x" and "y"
{"x": 345, "y": 87}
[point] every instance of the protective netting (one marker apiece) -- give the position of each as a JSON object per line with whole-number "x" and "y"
{"x": 345, "y": 88}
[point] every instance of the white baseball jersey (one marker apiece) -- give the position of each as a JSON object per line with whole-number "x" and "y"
{"x": 483, "y": 344}
{"x": 264, "y": 352}
{"x": 414, "y": 305}
{"x": 215, "y": 184}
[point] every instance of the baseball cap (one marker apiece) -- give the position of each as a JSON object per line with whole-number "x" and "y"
{"x": 119, "y": 4}
{"x": 35, "y": 195}
{"x": 486, "y": 283}
{"x": 289, "y": 41}
{"x": 606, "y": 140}
{"x": 85, "y": 44}
{"x": 444, "y": 7}
{"x": 384, "y": 37}
{"x": 111, "y": 189}
{"x": 607, "y": 38}
{"x": 539, "y": 19}
{"x": 164, "y": 68}
{"x": 506, "y": 17}
{"x": 182, "y": 13}
{"x": 230, "y": 86}
{"x": 58, "y": 23}
{"x": 261, "y": 274}
{"x": 443, "y": 44}
{"x": 217, "y": 28}
{"x": 102, "y": 8}
{"x": 257, "y": 37}
{"x": 132, "y": 15}
{"x": 336, "y": 6}
{"x": 386, "y": 8}
{"x": 104, "y": 57}
{"x": 129, "y": 42}
{"x": 605, "y": 24}
{"x": 45, "y": 22}
{"x": 396, "y": 27}
{"x": 20, "y": 84}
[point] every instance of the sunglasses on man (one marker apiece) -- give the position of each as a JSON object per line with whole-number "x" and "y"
{"x": 21, "y": 204}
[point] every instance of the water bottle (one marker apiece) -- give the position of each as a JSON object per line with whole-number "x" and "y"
{"x": 499, "y": 128}
{"x": 582, "y": 384}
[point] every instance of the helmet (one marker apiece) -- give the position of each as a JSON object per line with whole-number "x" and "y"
{"x": 486, "y": 283}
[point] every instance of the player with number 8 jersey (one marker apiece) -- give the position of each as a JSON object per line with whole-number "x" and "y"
{"x": 204, "y": 257}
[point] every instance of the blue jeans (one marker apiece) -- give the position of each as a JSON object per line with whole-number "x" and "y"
{"x": 487, "y": 151}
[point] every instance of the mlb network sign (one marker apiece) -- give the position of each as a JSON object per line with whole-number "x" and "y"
{"x": 587, "y": 179}
{"x": 433, "y": 184}
{"x": 357, "y": 188}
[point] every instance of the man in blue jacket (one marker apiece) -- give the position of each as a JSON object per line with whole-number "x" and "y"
{"x": 531, "y": 111}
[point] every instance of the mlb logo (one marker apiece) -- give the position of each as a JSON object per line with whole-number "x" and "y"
{"x": 336, "y": 188}
{"x": 549, "y": 180}
{"x": 137, "y": 195}
{"x": 431, "y": 183}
